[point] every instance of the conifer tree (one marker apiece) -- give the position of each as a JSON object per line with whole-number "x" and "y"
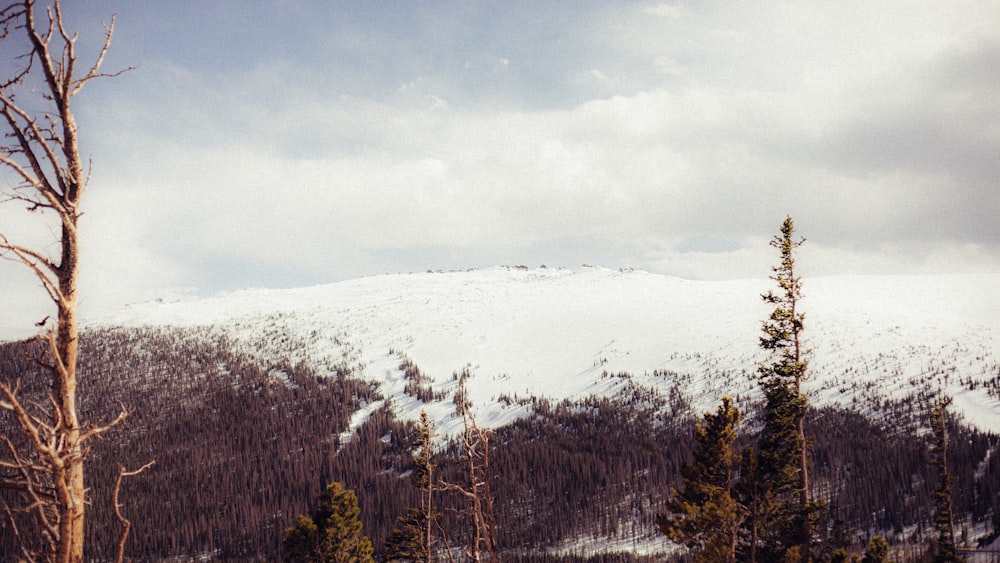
{"x": 877, "y": 551}
{"x": 754, "y": 496}
{"x": 406, "y": 541}
{"x": 944, "y": 523}
{"x": 704, "y": 516}
{"x": 785, "y": 512}
{"x": 413, "y": 538}
{"x": 333, "y": 534}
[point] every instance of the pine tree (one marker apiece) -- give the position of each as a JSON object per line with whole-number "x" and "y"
{"x": 332, "y": 535}
{"x": 944, "y": 543}
{"x": 784, "y": 512}
{"x": 768, "y": 480}
{"x": 704, "y": 516}
{"x": 877, "y": 551}
{"x": 413, "y": 538}
{"x": 405, "y": 542}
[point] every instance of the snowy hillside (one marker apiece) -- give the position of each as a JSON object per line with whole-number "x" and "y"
{"x": 554, "y": 332}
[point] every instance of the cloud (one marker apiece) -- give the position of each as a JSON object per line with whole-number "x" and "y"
{"x": 664, "y": 10}
{"x": 674, "y": 137}
{"x": 657, "y": 164}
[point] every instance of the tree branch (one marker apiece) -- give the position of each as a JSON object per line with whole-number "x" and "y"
{"x": 34, "y": 432}
{"x": 95, "y": 68}
{"x": 29, "y": 136}
{"x": 29, "y": 487}
{"x": 126, "y": 524}
{"x": 98, "y": 430}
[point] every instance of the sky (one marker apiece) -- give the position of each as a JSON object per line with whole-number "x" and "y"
{"x": 293, "y": 143}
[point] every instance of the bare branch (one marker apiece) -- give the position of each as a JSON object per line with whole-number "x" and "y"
{"x": 126, "y": 524}
{"x": 29, "y": 139}
{"x": 94, "y": 71}
{"x": 12, "y": 523}
{"x": 29, "y": 487}
{"x": 31, "y": 430}
{"x": 40, "y": 44}
{"x": 28, "y": 256}
{"x": 98, "y": 430}
{"x": 18, "y": 77}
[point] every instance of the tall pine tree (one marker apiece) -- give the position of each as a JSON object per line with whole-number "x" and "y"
{"x": 785, "y": 514}
{"x": 704, "y": 516}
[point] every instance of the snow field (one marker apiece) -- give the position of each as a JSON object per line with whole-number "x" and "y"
{"x": 553, "y": 332}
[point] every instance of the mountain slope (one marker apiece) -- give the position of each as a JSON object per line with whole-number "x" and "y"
{"x": 251, "y": 402}
{"x": 554, "y": 332}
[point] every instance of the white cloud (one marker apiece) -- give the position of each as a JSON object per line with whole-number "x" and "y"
{"x": 664, "y": 10}
{"x": 874, "y": 126}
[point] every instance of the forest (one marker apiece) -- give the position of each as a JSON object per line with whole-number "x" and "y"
{"x": 242, "y": 447}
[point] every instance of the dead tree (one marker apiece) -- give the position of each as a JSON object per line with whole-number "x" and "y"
{"x": 43, "y": 170}
{"x": 476, "y": 457}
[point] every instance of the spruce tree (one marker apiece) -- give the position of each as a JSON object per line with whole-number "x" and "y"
{"x": 769, "y": 479}
{"x": 413, "y": 537}
{"x": 877, "y": 551}
{"x": 406, "y": 541}
{"x": 785, "y": 513}
{"x": 704, "y": 516}
{"x": 333, "y": 534}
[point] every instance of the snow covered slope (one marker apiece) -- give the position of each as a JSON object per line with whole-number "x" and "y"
{"x": 554, "y": 332}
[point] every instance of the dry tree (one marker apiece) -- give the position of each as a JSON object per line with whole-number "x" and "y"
{"x": 46, "y": 444}
{"x": 475, "y": 445}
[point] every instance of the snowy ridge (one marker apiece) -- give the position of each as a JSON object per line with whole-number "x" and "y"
{"x": 555, "y": 333}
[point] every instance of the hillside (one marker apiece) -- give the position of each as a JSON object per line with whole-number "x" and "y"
{"x": 251, "y": 401}
{"x": 553, "y": 333}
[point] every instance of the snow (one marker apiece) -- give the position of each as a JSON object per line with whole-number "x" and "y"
{"x": 359, "y": 418}
{"x": 553, "y": 332}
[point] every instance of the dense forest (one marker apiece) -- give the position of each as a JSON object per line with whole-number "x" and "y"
{"x": 242, "y": 446}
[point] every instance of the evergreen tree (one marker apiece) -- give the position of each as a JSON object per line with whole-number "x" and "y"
{"x": 753, "y": 495}
{"x": 877, "y": 552}
{"x": 944, "y": 544}
{"x": 332, "y": 534}
{"x": 406, "y": 542}
{"x": 413, "y": 538}
{"x": 704, "y": 516}
{"x": 784, "y": 513}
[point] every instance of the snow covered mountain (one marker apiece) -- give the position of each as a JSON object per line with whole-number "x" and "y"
{"x": 558, "y": 333}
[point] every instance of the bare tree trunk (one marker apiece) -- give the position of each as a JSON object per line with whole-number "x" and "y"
{"x": 806, "y": 531}
{"x": 476, "y": 447}
{"x": 64, "y": 388}
{"x": 40, "y": 150}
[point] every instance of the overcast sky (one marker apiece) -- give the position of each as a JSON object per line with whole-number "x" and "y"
{"x": 291, "y": 143}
